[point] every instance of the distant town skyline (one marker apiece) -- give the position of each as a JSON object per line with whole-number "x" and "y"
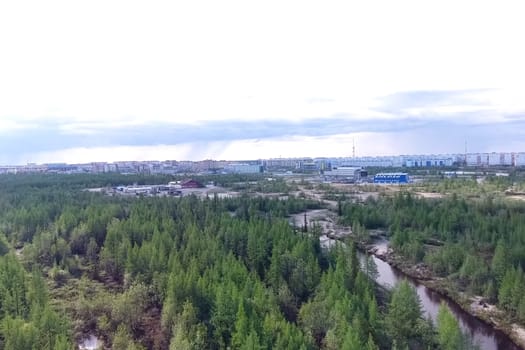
{"x": 410, "y": 160}
{"x": 327, "y": 166}
{"x": 106, "y": 81}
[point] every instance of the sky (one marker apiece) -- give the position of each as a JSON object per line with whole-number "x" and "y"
{"x": 85, "y": 81}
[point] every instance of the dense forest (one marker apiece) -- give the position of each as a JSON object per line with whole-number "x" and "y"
{"x": 475, "y": 240}
{"x": 210, "y": 273}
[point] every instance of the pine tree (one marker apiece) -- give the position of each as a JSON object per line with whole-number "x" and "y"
{"x": 500, "y": 261}
{"x": 449, "y": 334}
{"x": 505, "y": 290}
{"x": 371, "y": 268}
{"x": 370, "y": 344}
{"x": 403, "y": 314}
{"x": 351, "y": 340}
{"x": 18, "y": 334}
{"x": 251, "y": 342}
{"x": 223, "y": 316}
{"x": 242, "y": 327}
{"x": 4, "y": 246}
{"x": 521, "y": 309}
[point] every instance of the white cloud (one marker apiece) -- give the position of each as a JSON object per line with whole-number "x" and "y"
{"x": 239, "y": 149}
{"x": 101, "y": 64}
{"x": 368, "y": 143}
{"x": 124, "y": 59}
{"x": 108, "y": 154}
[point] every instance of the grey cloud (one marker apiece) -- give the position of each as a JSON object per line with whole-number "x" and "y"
{"x": 51, "y": 136}
{"x": 429, "y": 131}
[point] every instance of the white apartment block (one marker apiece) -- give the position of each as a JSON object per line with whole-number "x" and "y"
{"x": 519, "y": 159}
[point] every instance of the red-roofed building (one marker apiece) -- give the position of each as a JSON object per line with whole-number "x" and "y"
{"x": 191, "y": 184}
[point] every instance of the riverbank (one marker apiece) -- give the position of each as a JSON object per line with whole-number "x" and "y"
{"x": 475, "y": 306}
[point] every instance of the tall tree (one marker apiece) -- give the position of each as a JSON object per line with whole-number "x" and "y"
{"x": 403, "y": 315}
{"x": 500, "y": 261}
{"x": 449, "y": 334}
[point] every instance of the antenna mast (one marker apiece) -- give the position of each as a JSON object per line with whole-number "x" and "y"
{"x": 465, "y": 151}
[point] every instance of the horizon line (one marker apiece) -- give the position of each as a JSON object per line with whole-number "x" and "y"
{"x": 512, "y": 153}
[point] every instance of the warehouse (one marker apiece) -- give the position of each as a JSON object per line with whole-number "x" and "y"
{"x": 344, "y": 174}
{"x": 428, "y": 161}
{"x": 391, "y": 178}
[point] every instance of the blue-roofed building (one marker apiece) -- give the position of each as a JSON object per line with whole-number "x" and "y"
{"x": 391, "y": 178}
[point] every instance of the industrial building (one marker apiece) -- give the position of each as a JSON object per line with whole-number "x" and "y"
{"x": 243, "y": 168}
{"x": 409, "y": 161}
{"x": 137, "y": 189}
{"x": 367, "y": 161}
{"x": 281, "y": 162}
{"x": 391, "y": 178}
{"x": 344, "y": 174}
{"x": 428, "y": 161}
{"x": 306, "y": 165}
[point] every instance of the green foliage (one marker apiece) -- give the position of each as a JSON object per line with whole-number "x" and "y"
{"x": 409, "y": 243}
{"x": 500, "y": 261}
{"x": 128, "y": 307}
{"x": 19, "y": 334}
{"x": 511, "y": 291}
{"x": 4, "y": 246}
{"x": 449, "y": 334}
{"x": 13, "y": 288}
{"x": 471, "y": 236}
{"x": 188, "y": 332}
{"x": 27, "y": 321}
{"x": 475, "y": 272}
{"x": 123, "y": 340}
{"x": 191, "y": 273}
{"x": 314, "y": 319}
{"x": 370, "y": 268}
{"x": 351, "y": 340}
{"x": 403, "y": 315}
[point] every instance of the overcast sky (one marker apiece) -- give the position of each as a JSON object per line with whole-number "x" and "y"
{"x": 131, "y": 80}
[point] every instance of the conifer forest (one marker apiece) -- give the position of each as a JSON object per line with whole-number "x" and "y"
{"x": 171, "y": 272}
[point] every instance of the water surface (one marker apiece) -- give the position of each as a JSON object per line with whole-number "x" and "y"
{"x": 483, "y": 335}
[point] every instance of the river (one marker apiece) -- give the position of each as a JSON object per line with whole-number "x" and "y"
{"x": 485, "y": 336}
